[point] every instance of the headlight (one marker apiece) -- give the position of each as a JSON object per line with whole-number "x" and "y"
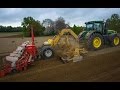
{"x": 45, "y": 43}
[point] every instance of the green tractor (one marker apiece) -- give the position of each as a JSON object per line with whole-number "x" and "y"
{"x": 96, "y": 35}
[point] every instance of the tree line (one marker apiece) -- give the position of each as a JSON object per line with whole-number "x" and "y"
{"x": 50, "y": 27}
{"x": 10, "y": 29}
{"x": 113, "y": 23}
{"x": 47, "y": 27}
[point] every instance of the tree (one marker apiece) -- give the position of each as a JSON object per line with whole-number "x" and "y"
{"x": 9, "y": 29}
{"x": 68, "y": 25}
{"x": 113, "y": 22}
{"x": 59, "y": 24}
{"x": 49, "y": 26}
{"x": 77, "y": 29}
{"x": 37, "y": 27}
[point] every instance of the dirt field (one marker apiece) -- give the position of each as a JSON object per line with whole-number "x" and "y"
{"x": 97, "y": 66}
{"x": 7, "y": 45}
{"x": 6, "y": 34}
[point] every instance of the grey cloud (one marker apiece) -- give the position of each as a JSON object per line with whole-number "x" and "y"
{"x": 72, "y": 15}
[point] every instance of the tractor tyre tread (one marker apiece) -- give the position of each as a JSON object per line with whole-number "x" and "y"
{"x": 90, "y": 41}
{"x": 42, "y": 52}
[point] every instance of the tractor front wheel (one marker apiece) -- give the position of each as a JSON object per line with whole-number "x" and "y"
{"x": 95, "y": 42}
{"x": 47, "y": 52}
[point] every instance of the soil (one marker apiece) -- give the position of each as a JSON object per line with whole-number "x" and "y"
{"x": 97, "y": 66}
{"x": 101, "y": 67}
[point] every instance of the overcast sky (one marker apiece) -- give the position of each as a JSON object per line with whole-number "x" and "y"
{"x": 78, "y": 16}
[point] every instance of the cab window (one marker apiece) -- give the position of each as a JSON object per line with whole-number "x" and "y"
{"x": 98, "y": 27}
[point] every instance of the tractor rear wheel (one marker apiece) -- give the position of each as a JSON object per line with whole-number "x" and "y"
{"x": 95, "y": 42}
{"x": 46, "y": 52}
{"x": 115, "y": 41}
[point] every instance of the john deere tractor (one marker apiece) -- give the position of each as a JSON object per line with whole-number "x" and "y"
{"x": 96, "y": 35}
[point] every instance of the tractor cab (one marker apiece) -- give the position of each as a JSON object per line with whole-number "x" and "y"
{"x": 98, "y": 26}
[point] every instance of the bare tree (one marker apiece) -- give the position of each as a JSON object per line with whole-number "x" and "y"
{"x": 59, "y": 24}
{"x": 49, "y": 26}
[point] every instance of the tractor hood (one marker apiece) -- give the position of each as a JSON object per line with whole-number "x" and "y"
{"x": 84, "y": 34}
{"x": 112, "y": 32}
{"x": 48, "y": 42}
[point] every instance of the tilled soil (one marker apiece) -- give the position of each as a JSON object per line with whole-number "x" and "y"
{"x": 8, "y": 45}
{"x": 102, "y": 65}
{"x": 97, "y": 66}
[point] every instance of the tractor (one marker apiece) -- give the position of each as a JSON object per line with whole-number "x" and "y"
{"x": 96, "y": 35}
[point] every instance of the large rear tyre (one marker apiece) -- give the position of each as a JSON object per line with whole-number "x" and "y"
{"x": 46, "y": 52}
{"x": 115, "y": 41}
{"x": 95, "y": 42}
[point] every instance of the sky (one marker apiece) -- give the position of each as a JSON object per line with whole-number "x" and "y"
{"x": 78, "y": 16}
